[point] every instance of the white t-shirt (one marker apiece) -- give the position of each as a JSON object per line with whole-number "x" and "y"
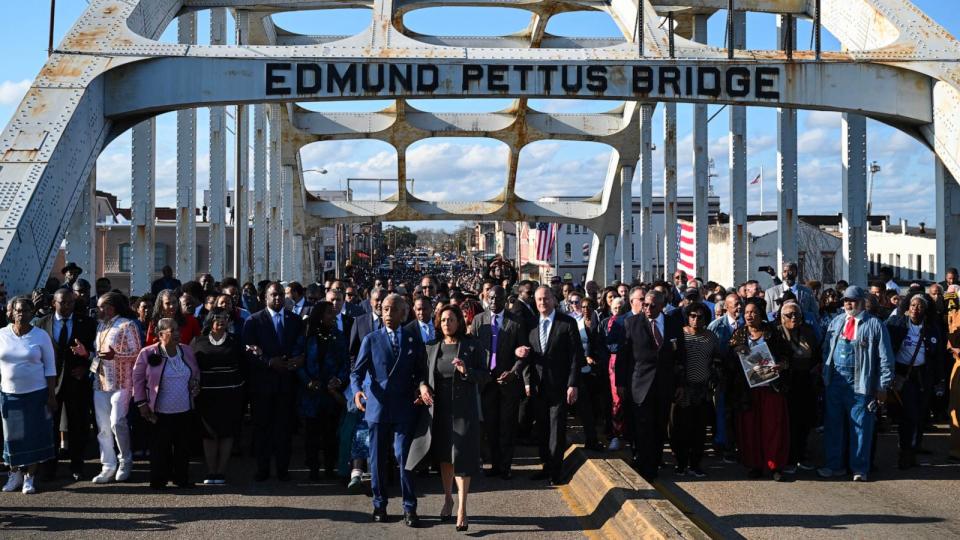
{"x": 910, "y": 345}
{"x": 25, "y": 361}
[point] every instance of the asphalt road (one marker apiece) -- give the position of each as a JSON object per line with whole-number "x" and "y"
{"x": 922, "y": 502}
{"x": 519, "y": 508}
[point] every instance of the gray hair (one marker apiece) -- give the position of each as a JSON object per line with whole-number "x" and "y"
{"x": 165, "y": 324}
{"x": 657, "y": 295}
{"x": 792, "y": 304}
{"x": 394, "y": 298}
{"x": 377, "y": 291}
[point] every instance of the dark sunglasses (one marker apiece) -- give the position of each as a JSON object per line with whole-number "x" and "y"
{"x": 792, "y": 315}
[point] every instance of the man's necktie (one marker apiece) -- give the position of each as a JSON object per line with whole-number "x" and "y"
{"x": 278, "y": 326}
{"x": 494, "y": 337}
{"x": 657, "y": 338}
{"x": 544, "y": 327}
{"x": 850, "y": 329}
{"x": 63, "y": 341}
{"x": 395, "y": 344}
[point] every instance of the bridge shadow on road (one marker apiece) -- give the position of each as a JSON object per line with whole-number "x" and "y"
{"x": 830, "y": 522}
{"x": 158, "y": 519}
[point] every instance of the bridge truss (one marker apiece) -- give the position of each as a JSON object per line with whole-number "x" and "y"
{"x": 110, "y": 75}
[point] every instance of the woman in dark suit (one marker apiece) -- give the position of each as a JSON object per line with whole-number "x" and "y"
{"x": 450, "y": 432}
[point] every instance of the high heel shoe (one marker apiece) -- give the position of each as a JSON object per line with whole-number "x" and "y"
{"x": 464, "y": 527}
{"x": 448, "y": 516}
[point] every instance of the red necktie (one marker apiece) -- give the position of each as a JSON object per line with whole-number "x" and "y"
{"x": 657, "y": 338}
{"x": 610, "y": 322}
{"x": 849, "y": 330}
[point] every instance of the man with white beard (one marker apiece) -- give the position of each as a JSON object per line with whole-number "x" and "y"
{"x": 857, "y": 371}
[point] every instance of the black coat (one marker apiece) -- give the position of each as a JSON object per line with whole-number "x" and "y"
{"x": 465, "y": 414}
{"x": 558, "y": 367}
{"x": 258, "y": 330}
{"x": 509, "y": 337}
{"x": 934, "y": 347}
{"x": 642, "y": 368}
{"x": 362, "y": 326}
{"x": 84, "y": 331}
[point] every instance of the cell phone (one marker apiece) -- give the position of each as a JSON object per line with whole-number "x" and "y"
{"x": 766, "y": 269}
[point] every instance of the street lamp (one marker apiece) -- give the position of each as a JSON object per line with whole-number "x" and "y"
{"x": 874, "y": 169}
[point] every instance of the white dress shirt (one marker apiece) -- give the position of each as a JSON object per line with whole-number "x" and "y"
{"x": 546, "y": 331}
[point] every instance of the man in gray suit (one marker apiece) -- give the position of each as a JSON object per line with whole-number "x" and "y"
{"x": 805, "y": 297}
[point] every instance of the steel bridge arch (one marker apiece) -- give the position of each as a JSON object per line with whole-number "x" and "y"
{"x": 109, "y": 73}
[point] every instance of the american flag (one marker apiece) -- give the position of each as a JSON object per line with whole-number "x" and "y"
{"x": 546, "y": 235}
{"x": 686, "y": 252}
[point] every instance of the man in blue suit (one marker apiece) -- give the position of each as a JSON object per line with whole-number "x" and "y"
{"x": 274, "y": 341}
{"x": 395, "y": 361}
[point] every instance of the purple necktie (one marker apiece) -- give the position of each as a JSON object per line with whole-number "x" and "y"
{"x": 495, "y": 332}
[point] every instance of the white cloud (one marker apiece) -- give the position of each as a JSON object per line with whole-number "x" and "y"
{"x": 822, "y": 119}
{"x": 12, "y": 92}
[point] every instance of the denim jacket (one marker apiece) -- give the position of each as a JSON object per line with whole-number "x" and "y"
{"x": 873, "y": 355}
{"x": 722, "y": 329}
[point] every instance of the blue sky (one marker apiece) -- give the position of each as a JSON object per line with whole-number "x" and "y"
{"x": 465, "y": 169}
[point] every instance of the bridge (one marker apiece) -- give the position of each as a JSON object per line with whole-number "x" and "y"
{"x": 110, "y": 74}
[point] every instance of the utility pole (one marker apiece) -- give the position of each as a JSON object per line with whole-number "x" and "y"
{"x": 53, "y": 12}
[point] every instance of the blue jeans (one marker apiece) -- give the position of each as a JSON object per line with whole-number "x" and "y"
{"x": 383, "y": 436}
{"x": 845, "y": 406}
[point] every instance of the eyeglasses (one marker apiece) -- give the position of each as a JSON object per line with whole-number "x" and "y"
{"x": 791, "y": 315}
{"x": 693, "y": 316}
{"x": 351, "y": 294}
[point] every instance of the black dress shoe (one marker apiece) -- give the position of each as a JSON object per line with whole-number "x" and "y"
{"x": 542, "y": 474}
{"x": 379, "y": 516}
{"x": 77, "y": 476}
{"x": 493, "y": 471}
{"x": 506, "y": 474}
{"x": 261, "y": 476}
{"x": 410, "y": 519}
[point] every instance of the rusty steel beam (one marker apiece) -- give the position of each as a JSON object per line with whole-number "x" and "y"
{"x": 109, "y": 73}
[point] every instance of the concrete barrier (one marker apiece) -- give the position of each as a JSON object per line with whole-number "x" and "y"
{"x": 614, "y": 501}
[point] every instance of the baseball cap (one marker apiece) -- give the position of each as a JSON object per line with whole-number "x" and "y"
{"x": 854, "y": 292}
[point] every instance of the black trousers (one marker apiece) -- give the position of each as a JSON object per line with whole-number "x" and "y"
{"x": 802, "y": 404}
{"x": 501, "y": 405}
{"x": 75, "y": 400}
{"x": 170, "y": 440}
{"x": 272, "y": 429}
{"x": 914, "y": 406}
{"x": 688, "y": 433}
{"x": 551, "y": 431}
{"x": 320, "y": 433}
{"x": 588, "y": 405}
{"x": 650, "y": 420}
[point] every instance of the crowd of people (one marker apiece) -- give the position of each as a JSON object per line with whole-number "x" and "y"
{"x": 403, "y": 374}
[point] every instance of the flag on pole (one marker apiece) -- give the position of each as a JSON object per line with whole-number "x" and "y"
{"x": 546, "y": 235}
{"x": 686, "y": 250}
{"x": 757, "y": 179}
